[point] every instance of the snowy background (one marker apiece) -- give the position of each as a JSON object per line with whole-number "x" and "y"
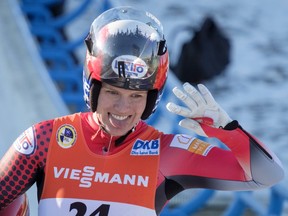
{"x": 254, "y": 87}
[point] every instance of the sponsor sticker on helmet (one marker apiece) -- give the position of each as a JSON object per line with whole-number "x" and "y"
{"x": 134, "y": 67}
{"x": 145, "y": 147}
{"x": 66, "y": 136}
{"x": 191, "y": 144}
{"x": 25, "y": 143}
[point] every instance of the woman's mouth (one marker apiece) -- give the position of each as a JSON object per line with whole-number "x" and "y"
{"x": 118, "y": 117}
{"x": 119, "y": 121}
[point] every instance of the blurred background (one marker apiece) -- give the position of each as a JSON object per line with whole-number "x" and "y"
{"x": 246, "y": 69}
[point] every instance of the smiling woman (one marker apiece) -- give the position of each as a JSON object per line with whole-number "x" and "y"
{"x": 119, "y": 110}
{"x": 126, "y": 49}
{"x": 130, "y": 167}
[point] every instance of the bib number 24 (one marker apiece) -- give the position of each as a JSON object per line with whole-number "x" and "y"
{"x": 81, "y": 209}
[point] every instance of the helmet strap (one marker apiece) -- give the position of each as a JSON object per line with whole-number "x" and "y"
{"x": 150, "y": 104}
{"x": 162, "y": 47}
{"x": 94, "y": 94}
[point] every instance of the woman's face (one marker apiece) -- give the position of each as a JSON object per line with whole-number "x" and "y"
{"x": 119, "y": 110}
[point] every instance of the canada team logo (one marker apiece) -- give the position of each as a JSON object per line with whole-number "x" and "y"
{"x": 66, "y": 136}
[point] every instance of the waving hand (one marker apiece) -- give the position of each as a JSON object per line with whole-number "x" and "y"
{"x": 201, "y": 108}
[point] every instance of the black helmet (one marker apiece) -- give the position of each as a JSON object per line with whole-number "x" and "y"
{"x": 126, "y": 48}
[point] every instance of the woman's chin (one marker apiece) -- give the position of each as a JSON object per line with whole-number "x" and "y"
{"x": 116, "y": 131}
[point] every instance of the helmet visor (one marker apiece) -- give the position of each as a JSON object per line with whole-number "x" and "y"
{"x": 127, "y": 49}
{"x": 125, "y": 43}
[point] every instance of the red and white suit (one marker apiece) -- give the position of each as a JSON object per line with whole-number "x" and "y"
{"x": 81, "y": 170}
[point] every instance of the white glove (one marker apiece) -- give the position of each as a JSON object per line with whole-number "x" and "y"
{"x": 202, "y": 108}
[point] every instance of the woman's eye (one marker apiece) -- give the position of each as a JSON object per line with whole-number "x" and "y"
{"x": 111, "y": 92}
{"x": 137, "y": 95}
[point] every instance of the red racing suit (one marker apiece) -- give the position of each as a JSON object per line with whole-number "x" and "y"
{"x": 81, "y": 170}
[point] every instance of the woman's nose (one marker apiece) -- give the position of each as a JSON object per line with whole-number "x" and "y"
{"x": 123, "y": 104}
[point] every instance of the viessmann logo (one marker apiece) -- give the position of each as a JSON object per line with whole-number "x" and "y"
{"x": 88, "y": 175}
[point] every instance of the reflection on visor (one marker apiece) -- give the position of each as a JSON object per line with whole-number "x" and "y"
{"x": 129, "y": 49}
{"x": 126, "y": 48}
{"x": 127, "y": 13}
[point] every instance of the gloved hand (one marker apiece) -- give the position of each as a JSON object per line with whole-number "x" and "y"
{"x": 201, "y": 109}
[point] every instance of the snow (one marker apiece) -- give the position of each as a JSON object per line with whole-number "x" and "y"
{"x": 254, "y": 87}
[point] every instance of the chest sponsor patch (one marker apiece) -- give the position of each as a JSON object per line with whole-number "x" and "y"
{"x": 66, "y": 136}
{"x": 146, "y": 147}
{"x": 25, "y": 143}
{"x": 89, "y": 175}
{"x": 191, "y": 144}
